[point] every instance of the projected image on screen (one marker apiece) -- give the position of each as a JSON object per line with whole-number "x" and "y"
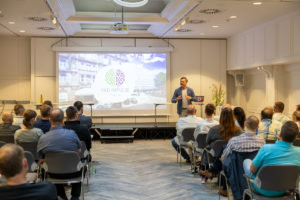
{"x": 113, "y": 81}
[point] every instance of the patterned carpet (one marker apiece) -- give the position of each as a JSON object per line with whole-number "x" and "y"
{"x": 143, "y": 170}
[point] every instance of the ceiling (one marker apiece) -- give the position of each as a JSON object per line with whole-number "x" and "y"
{"x": 158, "y": 18}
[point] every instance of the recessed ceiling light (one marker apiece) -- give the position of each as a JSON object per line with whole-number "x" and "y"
{"x": 215, "y": 26}
{"x": 257, "y": 3}
{"x": 184, "y": 30}
{"x": 202, "y": 33}
{"x": 22, "y": 31}
{"x": 233, "y": 17}
{"x": 210, "y": 11}
{"x": 11, "y": 22}
{"x": 195, "y": 21}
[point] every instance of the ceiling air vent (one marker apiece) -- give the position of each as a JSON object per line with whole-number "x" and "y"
{"x": 210, "y": 11}
{"x": 45, "y": 28}
{"x": 196, "y": 21}
{"x": 184, "y": 30}
{"x": 37, "y": 19}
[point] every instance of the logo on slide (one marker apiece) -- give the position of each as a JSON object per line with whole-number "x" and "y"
{"x": 114, "y": 77}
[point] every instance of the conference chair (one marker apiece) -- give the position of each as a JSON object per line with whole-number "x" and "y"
{"x": 198, "y": 148}
{"x": 216, "y": 148}
{"x": 186, "y": 136}
{"x": 270, "y": 141}
{"x": 2, "y": 143}
{"x": 7, "y": 138}
{"x": 271, "y": 177}
{"x": 297, "y": 142}
{"x": 31, "y": 147}
{"x": 85, "y": 157}
{"x": 31, "y": 175}
{"x": 64, "y": 163}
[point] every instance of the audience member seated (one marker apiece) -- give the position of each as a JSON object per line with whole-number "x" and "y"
{"x": 7, "y": 128}
{"x": 208, "y": 122}
{"x": 84, "y": 120}
{"x": 225, "y": 131}
{"x": 48, "y": 103}
{"x": 190, "y": 121}
{"x": 59, "y": 139}
{"x": 283, "y": 152}
{"x": 13, "y": 166}
{"x": 296, "y": 118}
{"x": 19, "y": 111}
{"x": 217, "y": 117}
{"x": 43, "y": 123}
{"x": 28, "y": 133}
{"x": 268, "y": 129}
{"x": 73, "y": 123}
{"x": 298, "y": 107}
{"x": 278, "y": 113}
{"x": 240, "y": 117}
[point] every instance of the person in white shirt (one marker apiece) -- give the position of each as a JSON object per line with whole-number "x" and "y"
{"x": 19, "y": 111}
{"x": 208, "y": 122}
{"x": 190, "y": 121}
{"x": 278, "y": 110}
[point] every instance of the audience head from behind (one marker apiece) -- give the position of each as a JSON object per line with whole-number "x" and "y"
{"x": 13, "y": 165}
{"x": 228, "y": 129}
{"x": 210, "y": 110}
{"x": 19, "y": 109}
{"x": 278, "y": 107}
{"x": 79, "y": 106}
{"x": 29, "y": 118}
{"x": 240, "y": 117}
{"x": 191, "y": 110}
{"x": 298, "y": 107}
{"x": 296, "y": 116}
{"x": 252, "y": 124}
{"x": 183, "y": 82}
{"x": 7, "y": 118}
{"x": 57, "y": 117}
{"x": 48, "y": 102}
{"x": 72, "y": 113}
{"x": 289, "y": 132}
{"x": 267, "y": 113}
{"x": 45, "y": 111}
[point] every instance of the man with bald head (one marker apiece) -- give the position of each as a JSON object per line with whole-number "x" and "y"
{"x": 59, "y": 139}
{"x": 13, "y": 166}
{"x": 268, "y": 129}
{"x": 190, "y": 121}
{"x": 7, "y": 127}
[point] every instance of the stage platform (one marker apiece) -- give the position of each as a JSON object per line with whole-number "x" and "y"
{"x": 131, "y": 131}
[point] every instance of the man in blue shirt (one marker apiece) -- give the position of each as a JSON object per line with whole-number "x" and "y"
{"x": 43, "y": 123}
{"x": 184, "y": 96}
{"x": 283, "y": 152}
{"x": 59, "y": 139}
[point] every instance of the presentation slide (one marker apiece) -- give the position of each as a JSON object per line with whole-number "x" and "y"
{"x": 132, "y": 81}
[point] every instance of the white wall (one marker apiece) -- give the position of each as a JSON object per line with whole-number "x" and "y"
{"x": 202, "y": 61}
{"x": 272, "y": 43}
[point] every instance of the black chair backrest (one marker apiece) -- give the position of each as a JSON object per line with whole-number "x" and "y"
{"x": 62, "y": 162}
{"x": 2, "y": 143}
{"x": 278, "y": 177}
{"x": 201, "y": 140}
{"x": 297, "y": 142}
{"x": 84, "y": 152}
{"x": 7, "y": 138}
{"x": 270, "y": 141}
{"x": 217, "y": 146}
{"x": 30, "y": 160}
{"x": 31, "y": 147}
{"x": 188, "y": 134}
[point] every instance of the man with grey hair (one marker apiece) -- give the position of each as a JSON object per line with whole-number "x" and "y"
{"x": 7, "y": 127}
{"x": 190, "y": 121}
{"x": 59, "y": 139}
{"x": 13, "y": 166}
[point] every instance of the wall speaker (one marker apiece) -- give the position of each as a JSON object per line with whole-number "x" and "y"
{"x": 239, "y": 79}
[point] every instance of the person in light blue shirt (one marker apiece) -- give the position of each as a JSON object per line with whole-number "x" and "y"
{"x": 283, "y": 152}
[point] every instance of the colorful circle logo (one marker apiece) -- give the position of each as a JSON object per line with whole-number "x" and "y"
{"x": 114, "y": 77}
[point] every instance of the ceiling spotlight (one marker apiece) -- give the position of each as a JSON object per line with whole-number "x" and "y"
{"x": 11, "y": 22}
{"x": 54, "y": 21}
{"x": 233, "y": 17}
{"x": 22, "y": 31}
{"x": 177, "y": 28}
{"x": 183, "y": 23}
{"x": 215, "y": 26}
{"x": 258, "y": 3}
{"x": 131, "y": 4}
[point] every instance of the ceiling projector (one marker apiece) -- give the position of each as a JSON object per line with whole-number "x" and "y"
{"x": 119, "y": 28}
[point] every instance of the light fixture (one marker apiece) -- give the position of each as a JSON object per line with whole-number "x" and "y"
{"x": 54, "y": 21}
{"x": 22, "y": 31}
{"x": 202, "y": 33}
{"x": 11, "y": 22}
{"x": 215, "y": 26}
{"x": 233, "y": 17}
{"x": 131, "y": 4}
{"x": 257, "y": 3}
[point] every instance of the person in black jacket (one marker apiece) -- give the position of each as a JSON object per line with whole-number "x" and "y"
{"x": 73, "y": 123}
